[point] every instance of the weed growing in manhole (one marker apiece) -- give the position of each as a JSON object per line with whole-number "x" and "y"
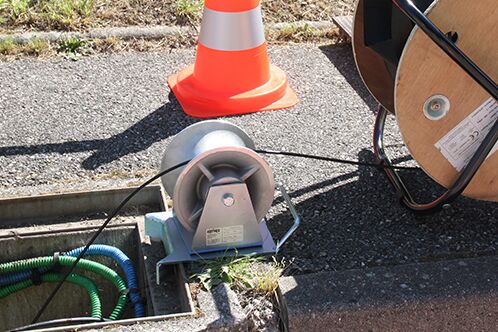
{"x": 248, "y": 273}
{"x": 267, "y": 279}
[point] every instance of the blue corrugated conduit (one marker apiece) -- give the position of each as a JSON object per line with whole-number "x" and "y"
{"x": 124, "y": 263}
{"x": 94, "y": 250}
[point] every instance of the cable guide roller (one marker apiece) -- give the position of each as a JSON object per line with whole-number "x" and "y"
{"x": 220, "y": 198}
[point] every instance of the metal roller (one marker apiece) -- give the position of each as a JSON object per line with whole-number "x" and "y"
{"x": 220, "y": 197}
{"x": 220, "y": 153}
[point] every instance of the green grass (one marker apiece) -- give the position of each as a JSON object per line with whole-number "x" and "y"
{"x": 188, "y": 10}
{"x": 72, "y": 46}
{"x": 294, "y": 31}
{"x": 47, "y": 13}
{"x": 18, "y": 7}
{"x": 7, "y": 47}
{"x": 242, "y": 272}
{"x": 67, "y": 12}
{"x": 303, "y": 33}
{"x": 37, "y": 47}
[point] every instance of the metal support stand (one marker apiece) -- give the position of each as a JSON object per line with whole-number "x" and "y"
{"x": 179, "y": 244}
{"x": 453, "y": 192}
{"x": 481, "y": 153}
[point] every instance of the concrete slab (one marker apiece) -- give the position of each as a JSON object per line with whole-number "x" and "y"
{"x": 219, "y": 310}
{"x": 457, "y": 295}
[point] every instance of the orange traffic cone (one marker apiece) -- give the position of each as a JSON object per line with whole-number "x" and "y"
{"x": 232, "y": 73}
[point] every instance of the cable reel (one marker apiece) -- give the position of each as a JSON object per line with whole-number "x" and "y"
{"x": 443, "y": 113}
{"x": 220, "y": 198}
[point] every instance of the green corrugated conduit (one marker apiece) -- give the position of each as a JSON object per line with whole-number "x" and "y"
{"x": 93, "y": 293}
{"x": 102, "y": 270}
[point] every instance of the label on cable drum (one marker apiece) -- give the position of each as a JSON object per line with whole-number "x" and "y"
{"x": 460, "y": 144}
{"x": 224, "y": 235}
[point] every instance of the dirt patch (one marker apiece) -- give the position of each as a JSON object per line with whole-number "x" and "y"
{"x": 262, "y": 311}
{"x": 308, "y": 10}
{"x": 71, "y": 15}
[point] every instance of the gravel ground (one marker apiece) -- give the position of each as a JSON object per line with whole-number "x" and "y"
{"x": 65, "y": 122}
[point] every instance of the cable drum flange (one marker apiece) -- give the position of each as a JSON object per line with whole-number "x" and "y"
{"x": 380, "y": 31}
{"x": 445, "y": 118}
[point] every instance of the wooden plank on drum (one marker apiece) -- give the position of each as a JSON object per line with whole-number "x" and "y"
{"x": 345, "y": 23}
{"x": 371, "y": 66}
{"x": 425, "y": 71}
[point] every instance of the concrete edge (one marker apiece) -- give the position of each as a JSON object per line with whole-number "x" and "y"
{"x": 22, "y": 209}
{"x": 449, "y": 295}
{"x": 148, "y": 32}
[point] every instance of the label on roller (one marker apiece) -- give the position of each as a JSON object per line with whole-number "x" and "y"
{"x": 224, "y": 235}
{"x": 460, "y": 144}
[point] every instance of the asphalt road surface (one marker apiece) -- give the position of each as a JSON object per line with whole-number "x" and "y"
{"x": 67, "y": 122}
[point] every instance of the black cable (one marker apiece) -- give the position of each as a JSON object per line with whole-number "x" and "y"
{"x": 97, "y": 233}
{"x": 59, "y": 322}
{"x": 146, "y": 183}
{"x": 335, "y": 160}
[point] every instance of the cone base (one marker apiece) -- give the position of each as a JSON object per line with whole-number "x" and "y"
{"x": 200, "y": 102}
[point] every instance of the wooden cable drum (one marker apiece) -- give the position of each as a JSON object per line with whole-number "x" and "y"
{"x": 380, "y": 31}
{"x": 442, "y": 113}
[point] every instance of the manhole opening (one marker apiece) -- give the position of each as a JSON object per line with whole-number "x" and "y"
{"x": 25, "y": 236}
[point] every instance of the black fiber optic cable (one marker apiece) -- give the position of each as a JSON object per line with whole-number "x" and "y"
{"x": 97, "y": 233}
{"x": 59, "y": 322}
{"x": 155, "y": 177}
{"x": 334, "y": 160}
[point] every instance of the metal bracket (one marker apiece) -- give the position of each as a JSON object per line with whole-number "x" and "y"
{"x": 292, "y": 209}
{"x": 226, "y": 222}
{"x": 166, "y": 227}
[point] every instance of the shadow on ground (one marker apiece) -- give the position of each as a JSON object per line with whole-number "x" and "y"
{"x": 160, "y": 124}
{"x": 355, "y": 221}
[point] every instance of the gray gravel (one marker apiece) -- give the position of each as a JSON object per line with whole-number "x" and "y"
{"x": 64, "y": 122}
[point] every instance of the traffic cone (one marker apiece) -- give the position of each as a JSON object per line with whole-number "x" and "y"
{"x": 232, "y": 73}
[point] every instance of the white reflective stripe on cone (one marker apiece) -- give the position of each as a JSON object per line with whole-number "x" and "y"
{"x": 228, "y": 31}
